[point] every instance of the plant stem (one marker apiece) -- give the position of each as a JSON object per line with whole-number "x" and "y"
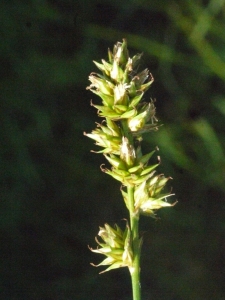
{"x": 135, "y": 270}
{"x": 134, "y": 226}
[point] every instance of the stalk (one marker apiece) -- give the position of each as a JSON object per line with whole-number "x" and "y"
{"x": 134, "y": 227}
{"x": 134, "y": 224}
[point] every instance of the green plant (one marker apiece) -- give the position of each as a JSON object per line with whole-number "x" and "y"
{"x": 126, "y": 119}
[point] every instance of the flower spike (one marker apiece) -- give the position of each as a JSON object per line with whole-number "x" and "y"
{"x": 116, "y": 246}
{"x": 126, "y": 117}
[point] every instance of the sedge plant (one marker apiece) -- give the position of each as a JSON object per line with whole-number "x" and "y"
{"x": 126, "y": 117}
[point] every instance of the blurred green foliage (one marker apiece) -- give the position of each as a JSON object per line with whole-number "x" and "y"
{"x": 53, "y": 195}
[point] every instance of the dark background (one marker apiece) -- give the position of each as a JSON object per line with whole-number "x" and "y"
{"x": 53, "y": 194}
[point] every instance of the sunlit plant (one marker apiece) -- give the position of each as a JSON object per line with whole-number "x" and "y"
{"x": 126, "y": 117}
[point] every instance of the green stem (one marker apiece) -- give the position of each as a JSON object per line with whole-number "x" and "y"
{"x": 135, "y": 270}
{"x": 134, "y": 226}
